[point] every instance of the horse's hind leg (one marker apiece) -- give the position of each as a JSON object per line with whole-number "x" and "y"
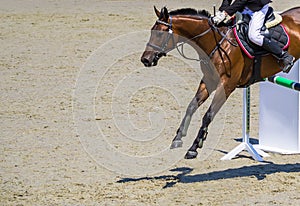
{"x": 201, "y": 95}
{"x": 217, "y": 102}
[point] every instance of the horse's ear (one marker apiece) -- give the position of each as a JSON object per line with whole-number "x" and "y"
{"x": 156, "y": 12}
{"x": 164, "y": 14}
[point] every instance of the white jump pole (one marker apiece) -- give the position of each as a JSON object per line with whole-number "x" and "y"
{"x": 256, "y": 154}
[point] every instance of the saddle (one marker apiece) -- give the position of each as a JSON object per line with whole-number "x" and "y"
{"x": 272, "y": 30}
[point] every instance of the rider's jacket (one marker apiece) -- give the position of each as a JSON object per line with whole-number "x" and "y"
{"x": 239, "y": 5}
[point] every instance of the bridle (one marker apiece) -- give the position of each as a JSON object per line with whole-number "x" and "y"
{"x": 162, "y": 49}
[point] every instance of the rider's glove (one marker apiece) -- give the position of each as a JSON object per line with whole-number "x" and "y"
{"x": 220, "y": 17}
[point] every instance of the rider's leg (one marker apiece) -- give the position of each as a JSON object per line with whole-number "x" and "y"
{"x": 287, "y": 59}
{"x": 255, "y": 36}
{"x": 255, "y": 25}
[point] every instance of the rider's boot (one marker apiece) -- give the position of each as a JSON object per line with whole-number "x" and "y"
{"x": 274, "y": 48}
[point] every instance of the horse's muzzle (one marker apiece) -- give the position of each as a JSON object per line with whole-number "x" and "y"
{"x": 147, "y": 62}
{"x": 151, "y": 60}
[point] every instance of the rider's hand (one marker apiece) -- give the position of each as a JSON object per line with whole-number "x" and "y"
{"x": 220, "y": 17}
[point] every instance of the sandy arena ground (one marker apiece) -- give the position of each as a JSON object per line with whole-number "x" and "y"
{"x": 51, "y": 151}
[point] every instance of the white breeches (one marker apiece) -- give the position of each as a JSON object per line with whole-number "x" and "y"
{"x": 256, "y": 23}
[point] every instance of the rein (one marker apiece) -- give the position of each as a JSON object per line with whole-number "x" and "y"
{"x": 218, "y": 45}
{"x": 185, "y": 42}
{"x": 162, "y": 49}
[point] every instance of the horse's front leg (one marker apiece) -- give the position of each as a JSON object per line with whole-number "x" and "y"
{"x": 217, "y": 102}
{"x": 201, "y": 95}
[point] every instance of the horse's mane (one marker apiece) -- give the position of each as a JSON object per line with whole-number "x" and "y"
{"x": 190, "y": 11}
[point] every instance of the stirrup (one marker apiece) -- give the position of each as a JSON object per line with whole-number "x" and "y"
{"x": 288, "y": 62}
{"x": 288, "y": 67}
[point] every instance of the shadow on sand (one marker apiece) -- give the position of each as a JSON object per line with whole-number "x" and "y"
{"x": 259, "y": 171}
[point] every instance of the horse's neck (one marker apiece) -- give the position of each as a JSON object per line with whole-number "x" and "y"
{"x": 190, "y": 28}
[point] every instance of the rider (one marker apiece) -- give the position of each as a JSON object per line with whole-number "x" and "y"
{"x": 257, "y": 9}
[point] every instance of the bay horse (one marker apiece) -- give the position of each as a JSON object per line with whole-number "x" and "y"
{"x": 233, "y": 67}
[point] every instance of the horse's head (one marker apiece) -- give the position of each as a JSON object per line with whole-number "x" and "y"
{"x": 161, "y": 39}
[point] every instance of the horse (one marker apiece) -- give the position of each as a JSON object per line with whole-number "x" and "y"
{"x": 233, "y": 67}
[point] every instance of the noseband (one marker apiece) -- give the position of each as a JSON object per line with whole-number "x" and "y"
{"x": 162, "y": 49}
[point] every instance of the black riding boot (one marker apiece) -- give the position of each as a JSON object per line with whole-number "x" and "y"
{"x": 274, "y": 48}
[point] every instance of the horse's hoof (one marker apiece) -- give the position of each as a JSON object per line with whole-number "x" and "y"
{"x": 176, "y": 144}
{"x": 191, "y": 155}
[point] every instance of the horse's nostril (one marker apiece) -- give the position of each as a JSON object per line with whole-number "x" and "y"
{"x": 145, "y": 61}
